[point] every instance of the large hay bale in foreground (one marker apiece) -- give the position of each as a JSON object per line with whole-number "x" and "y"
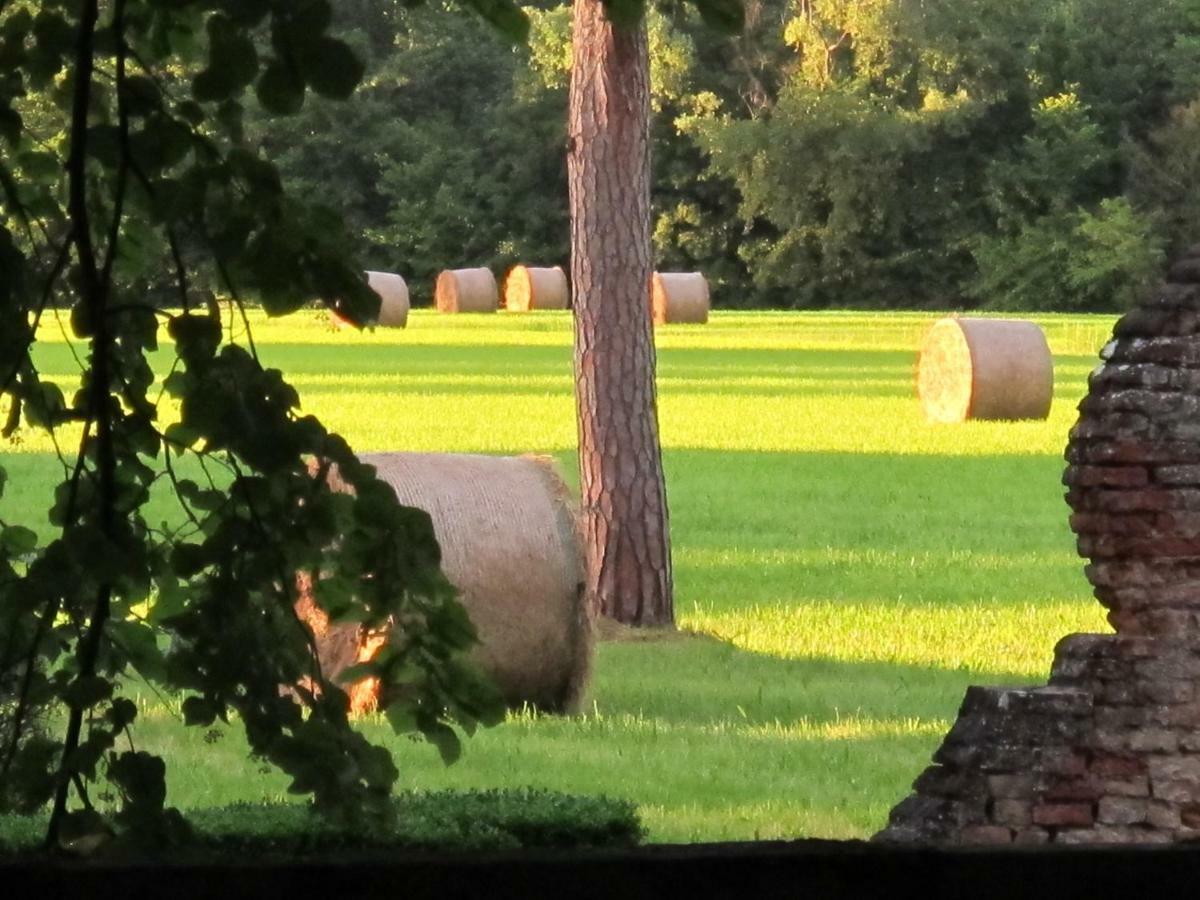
{"x": 509, "y": 542}
{"x": 679, "y": 297}
{"x": 527, "y": 288}
{"x": 466, "y": 290}
{"x": 985, "y": 369}
{"x": 393, "y": 301}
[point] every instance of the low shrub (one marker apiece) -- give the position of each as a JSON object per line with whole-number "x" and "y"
{"x": 443, "y": 820}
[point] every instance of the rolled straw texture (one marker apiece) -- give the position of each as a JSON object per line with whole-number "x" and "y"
{"x": 679, "y": 297}
{"x": 393, "y": 301}
{"x": 466, "y": 290}
{"x": 527, "y": 288}
{"x": 509, "y": 541}
{"x": 985, "y": 369}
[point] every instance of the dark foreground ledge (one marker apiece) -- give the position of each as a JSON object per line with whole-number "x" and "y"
{"x": 810, "y": 869}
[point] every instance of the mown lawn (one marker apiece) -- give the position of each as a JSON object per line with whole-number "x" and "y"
{"x": 843, "y": 569}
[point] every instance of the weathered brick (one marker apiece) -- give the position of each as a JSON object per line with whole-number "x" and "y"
{"x": 1080, "y": 788}
{"x": 1112, "y": 765}
{"x": 1031, "y": 835}
{"x": 1189, "y": 816}
{"x": 1010, "y": 786}
{"x": 1164, "y": 815}
{"x": 1166, "y": 692}
{"x": 1015, "y": 813}
{"x": 939, "y": 781}
{"x": 1137, "y": 786}
{"x": 1188, "y": 474}
{"x": 1116, "y": 476}
{"x": 1062, "y": 761}
{"x": 986, "y": 834}
{"x": 1121, "y": 810}
{"x": 1174, "y": 768}
{"x": 1153, "y": 740}
{"x": 1174, "y": 791}
{"x": 1185, "y": 271}
{"x": 1132, "y": 451}
{"x": 1063, "y": 814}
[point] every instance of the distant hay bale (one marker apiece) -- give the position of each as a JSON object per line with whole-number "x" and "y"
{"x": 393, "y": 301}
{"x": 527, "y": 288}
{"x": 985, "y": 369}
{"x": 466, "y": 291}
{"x": 679, "y": 297}
{"x": 507, "y": 531}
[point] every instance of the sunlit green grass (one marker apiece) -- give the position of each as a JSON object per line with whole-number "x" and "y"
{"x": 843, "y": 569}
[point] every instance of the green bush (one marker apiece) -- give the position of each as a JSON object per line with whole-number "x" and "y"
{"x": 444, "y": 820}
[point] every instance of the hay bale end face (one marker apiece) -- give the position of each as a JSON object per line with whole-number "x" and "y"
{"x": 466, "y": 290}
{"x": 528, "y": 288}
{"x": 679, "y": 297}
{"x": 509, "y": 541}
{"x": 393, "y": 301}
{"x": 985, "y": 369}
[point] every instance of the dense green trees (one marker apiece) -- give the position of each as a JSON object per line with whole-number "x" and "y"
{"x": 999, "y": 153}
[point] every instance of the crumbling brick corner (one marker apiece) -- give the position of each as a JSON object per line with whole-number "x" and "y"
{"x": 1109, "y": 750}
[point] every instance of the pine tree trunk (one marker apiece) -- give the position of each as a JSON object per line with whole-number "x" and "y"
{"x": 624, "y": 500}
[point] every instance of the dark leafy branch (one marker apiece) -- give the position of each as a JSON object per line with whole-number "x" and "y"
{"x": 159, "y": 190}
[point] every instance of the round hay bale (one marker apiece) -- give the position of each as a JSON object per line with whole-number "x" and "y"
{"x": 679, "y": 297}
{"x": 527, "y": 288}
{"x": 466, "y": 290}
{"x": 393, "y": 301}
{"x": 985, "y": 369}
{"x": 509, "y": 541}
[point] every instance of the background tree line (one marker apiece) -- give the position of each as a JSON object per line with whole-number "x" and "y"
{"x": 1003, "y": 154}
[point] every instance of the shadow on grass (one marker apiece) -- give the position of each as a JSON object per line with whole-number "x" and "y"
{"x": 702, "y": 681}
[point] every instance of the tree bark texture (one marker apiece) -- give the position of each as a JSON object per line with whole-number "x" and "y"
{"x": 624, "y": 503}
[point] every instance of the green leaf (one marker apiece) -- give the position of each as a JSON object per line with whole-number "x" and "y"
{"x": 141, "y": 777}
{"x": 18, "y": 540}
{"x": 232, "y": 62}
{"x": 199, "y": 711}
{"x": 86, "y": 691}
{"x": 279, "y": 90}
{"x": 727, "y": 16}
{"x": 446, "y": 740}
{"x": 507, "y": 17}
{"x": 10, "y": 124}
{"x": 624, "y": 13}
{"x": 332, "y": 69}
{"x": 121, "y": 713}
{"x": 401, "y": 717}
{"x": 196, "y": 337}
{"x": 39, "y": 165}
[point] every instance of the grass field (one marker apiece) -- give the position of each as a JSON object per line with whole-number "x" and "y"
{"x": 843, "y": 569}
